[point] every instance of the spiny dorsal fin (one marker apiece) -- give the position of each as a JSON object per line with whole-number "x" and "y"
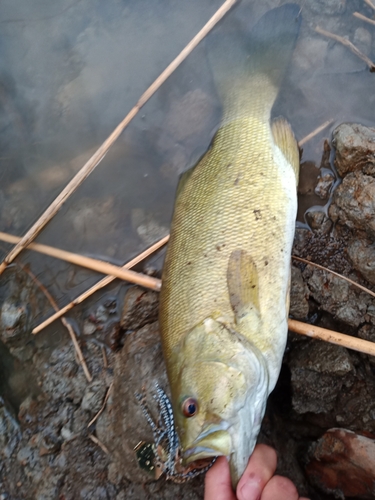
{"x": 284, "y": 138}
{"x": 243, "y": 284}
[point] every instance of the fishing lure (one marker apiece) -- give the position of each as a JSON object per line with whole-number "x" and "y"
{"x": 163, "y": 455}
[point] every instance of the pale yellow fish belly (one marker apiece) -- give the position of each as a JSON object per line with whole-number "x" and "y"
{"x": 242, "y": 195}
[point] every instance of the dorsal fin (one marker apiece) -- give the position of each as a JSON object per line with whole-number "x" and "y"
{"x": 284, "y": 138}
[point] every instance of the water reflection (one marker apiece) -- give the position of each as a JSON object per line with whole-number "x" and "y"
{"x": 68, "y": 75}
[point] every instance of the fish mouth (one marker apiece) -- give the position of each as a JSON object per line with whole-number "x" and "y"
{"x": 210, "y": 443}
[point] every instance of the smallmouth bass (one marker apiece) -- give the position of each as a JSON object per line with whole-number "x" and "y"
{"x": 224, "y": 299}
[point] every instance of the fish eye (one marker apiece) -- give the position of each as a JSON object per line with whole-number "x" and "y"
{"x": 190, "y": 407}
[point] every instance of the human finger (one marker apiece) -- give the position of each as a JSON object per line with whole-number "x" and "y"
{"x": 260, "y": 469}
{"x": 281, "y": 488}
{"x": 217, "y": 483}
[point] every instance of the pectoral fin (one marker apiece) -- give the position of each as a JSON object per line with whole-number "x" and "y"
{"x": 284, "y": 138}
{"x": 243, "y": 285}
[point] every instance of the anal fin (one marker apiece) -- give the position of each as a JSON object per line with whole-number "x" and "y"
{"x": 284, "y": 138}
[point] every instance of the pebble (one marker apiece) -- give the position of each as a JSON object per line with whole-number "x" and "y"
{"x": 362, "y": 255}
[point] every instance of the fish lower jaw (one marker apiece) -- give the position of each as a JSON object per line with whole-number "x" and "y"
{"x": 213, "y": 445}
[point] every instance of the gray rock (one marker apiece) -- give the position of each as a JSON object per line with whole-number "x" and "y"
{"x": 93, "y": 397}
{"x": 13, "y": 320}
{"x": 328, "y": 7}
{"x": 309, "y": 54}
{"x": 336, "y": 297}
{"x": 355, "y": 148}
{"x": 325, "y": 182}
{"x": 140, "y": 308}
{"x": 317, "y": 371}
{"x": 363, "y": 40}
{"x": 363, "y": 257}
{"x": 354, "y": 203}
{"x": 299, "y": 294}
{"x": 9, "y": 432}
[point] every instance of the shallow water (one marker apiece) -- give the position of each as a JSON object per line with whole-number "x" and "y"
{"x": 70, "y": 72}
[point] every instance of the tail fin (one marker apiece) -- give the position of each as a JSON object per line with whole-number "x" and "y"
{"x": 239, "y": 59}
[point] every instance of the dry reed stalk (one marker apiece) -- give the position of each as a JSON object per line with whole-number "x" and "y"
{"x": 69, "y": 327}
{"x": 370, "y": 4}
{"x": 349, "y": 45}
{"x": 347, "y": 341}
{"x": 90, "y": 263}
{"x": 102, "y": 283}
{"x": 364, "y": 18}
{"x": 102, "y": 407}
{"x": 314, "y": 132}
{"x": 95, "y": 440}
{"x": 363, "y": 288}
{"x": 89, "y": 166}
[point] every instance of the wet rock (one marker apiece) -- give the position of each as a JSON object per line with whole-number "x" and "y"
{"x": 310, "y": 53}
{"x": 13, "y": 320}
{"x": 89, "y": 328}
{"x": 9, "y": 432}
{"x": 189, "y": 116}
{"x": 299, "y": 294}
{"x": 317, "y": 219}
{"x": 336, "y": 296}
{"x": 363, "y": 257}
{"x": 317, "y": 376}
{"x": 93, "y": 398}
{"x": 354, "y": 203}
{"x": 362, "y": 39}
{"x": 343, "y": 463}
{"x": 147, "y": 228}
{"x": 140, "y": 308}
{"x": 325, "y": 183}
{"x": 355, "y": 148}
{"x": 328, "y": 7}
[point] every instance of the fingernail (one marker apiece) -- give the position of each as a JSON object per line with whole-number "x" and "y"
{"x": 251, "y": 489}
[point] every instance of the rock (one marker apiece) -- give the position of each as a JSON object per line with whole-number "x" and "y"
{"x": 93, "y": 398}
{"x": 354, "y": 203}
{"x": 13, "y": 320}
{"x": 9, "y": 432}
{"x": 343, "y": 463}
{"x": 363, "y": 40}
{"x": 317, "y": 376}
{"x": 310, "y": 53}
{"x": 336, "y": 296}
{"x": 140, "y": 308}
{"x": 89, "y": 328}
{"x": 325, "y": 182}
{"x": 328, "y": 7}
{"x": 189, "y": 116}
{"x": 355, "y": 148}
{"x": 147, "y": 228}
{"x": 363, "y": 257}
{"x": 299, "y": 294}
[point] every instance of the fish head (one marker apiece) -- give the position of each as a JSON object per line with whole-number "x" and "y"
{"x": 220, "y": 395}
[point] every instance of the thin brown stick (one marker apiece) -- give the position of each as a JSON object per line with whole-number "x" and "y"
{"x": 102, "y": 151}
{"x": 364, "y": 18}
{"x": 315, "y": 132}
{"x": 105, "y": 281}
{"x": 363, "y": 288}
{"x": 103, "y": 406}
{"x": 347, "y": 341}
{"x": 95, "y": 440}
{"x": 370, "y": 4}
{"x": 105, "y": 359}
{"x": 69, "y": 327}
{"x": 349, "y": 45}
{"x": 90, "y": 263}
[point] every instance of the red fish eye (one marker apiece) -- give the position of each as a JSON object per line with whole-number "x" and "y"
{"x": 189, "y": 407}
